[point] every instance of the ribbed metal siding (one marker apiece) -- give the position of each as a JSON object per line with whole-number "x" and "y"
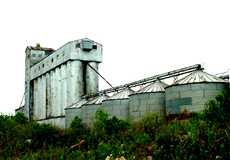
{"x": 140, "y": 104}
{"x": 191, "y": 97}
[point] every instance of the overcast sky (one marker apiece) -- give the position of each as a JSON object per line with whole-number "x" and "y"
{"x": 140, "y": 38}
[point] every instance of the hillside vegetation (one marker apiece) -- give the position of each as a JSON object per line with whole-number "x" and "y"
{"x": 205, "y": 135}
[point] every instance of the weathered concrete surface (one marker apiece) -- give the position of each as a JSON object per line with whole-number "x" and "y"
{"x": 69, "y": 52}
{"x": 91, "y": 79}
{"x": 57, "y": 122}
{"x": 55, "y": 80}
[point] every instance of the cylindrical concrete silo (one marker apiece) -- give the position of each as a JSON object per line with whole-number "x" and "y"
{"x": 75, "y": 84}
{"x": 151, "y": 98}
{"x": 91, "y": 78}
{"x": 192, "y": 92}
{"x": 89, "y": 109}
{"x": 117, "y": 105}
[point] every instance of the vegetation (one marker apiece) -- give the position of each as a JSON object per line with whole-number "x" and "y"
{"x": 205, "y": 135}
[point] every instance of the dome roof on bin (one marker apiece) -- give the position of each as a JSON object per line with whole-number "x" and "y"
{"x": 157, "y": 86}
{"x": 199, "y": 76}
{"x": 79, "y": 103}
{"x": 98, "y": 99}
{"x": 122, "y": 94}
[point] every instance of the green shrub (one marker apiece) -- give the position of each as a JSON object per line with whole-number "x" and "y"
{"x": 152, "y": 123}
{"x": 20, "y": 118}
{"x": 44, "y": 135}
{"x": 115, "y": 126}
{"x": 204, "y": 136}
{"x": 103, "y": 150}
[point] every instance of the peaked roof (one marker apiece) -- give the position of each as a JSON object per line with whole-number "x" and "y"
{"x": 157, "y": 86}
{"x": 122, "y": 94}
{"x": 40, "y": 48}
{"x": 199, "y": 76}
{"x": 98, "y": 100}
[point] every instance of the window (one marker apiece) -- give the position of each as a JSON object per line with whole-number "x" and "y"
{"x": 78, "y": 45}
{"x": 94, "y": 46}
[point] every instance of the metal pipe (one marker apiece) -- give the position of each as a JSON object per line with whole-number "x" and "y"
{"x": 166, "y": 75}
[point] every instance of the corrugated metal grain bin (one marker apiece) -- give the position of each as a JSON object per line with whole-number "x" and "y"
{"x": 148, "y": 99}
{"x": 73, "y": 111}
{"x": 89, "y": 109}
{"x": 192, "y": 92}
{"x": 117, "y": 105}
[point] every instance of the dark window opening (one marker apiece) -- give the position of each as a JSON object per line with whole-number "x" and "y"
{"x": 94, "y": 46}
{"x": 47, "y": 102}
{"x": 31, "y": 99}
{"x": 84, "y": 65}
{"x": 78, "y": 45}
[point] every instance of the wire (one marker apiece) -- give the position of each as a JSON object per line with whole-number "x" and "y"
{"x": 22, "y": 99}
{"x": 101, "y": 76}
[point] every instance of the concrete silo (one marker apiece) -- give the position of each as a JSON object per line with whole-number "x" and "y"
{"x": 151, "y": 98}
{"x": 56, "y": 79}
{"x": 117, "y": 104}
{"x": 192, "y": 92}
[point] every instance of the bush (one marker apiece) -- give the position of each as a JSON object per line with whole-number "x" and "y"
{"x": 115, "y": 126}
{"x": 152, "y": 123}
{"x": 20, "y": 118}
{"x": 217, "y": 111}
{"x": 77, "y": 127}
{"x": 204, "y": 136}
{"x": 44, "y": 135}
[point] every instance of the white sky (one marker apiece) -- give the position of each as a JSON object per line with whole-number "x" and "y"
{"x": 140, "y": 38}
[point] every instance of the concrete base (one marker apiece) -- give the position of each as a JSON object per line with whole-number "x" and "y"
{"x": 57, "y": 122}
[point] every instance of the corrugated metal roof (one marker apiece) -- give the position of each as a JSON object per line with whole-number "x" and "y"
{"x": 122, "y": 94}
{"x": 98, "y": 100}
{"x": 79, "y": 103}
{"x": 157, "y": 86}
{"x": 199, "y": 76}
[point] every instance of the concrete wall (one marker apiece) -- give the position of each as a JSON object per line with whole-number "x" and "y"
{"x": 116, "y": 107}
{"x": 56, "y": 81}
{"x": 68, "y": 52}
{"x": 57, "y": 122}
{"x": 56, "y": 90}
{"x": 140, "y": 104}
{"x": 191, "y": 97}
